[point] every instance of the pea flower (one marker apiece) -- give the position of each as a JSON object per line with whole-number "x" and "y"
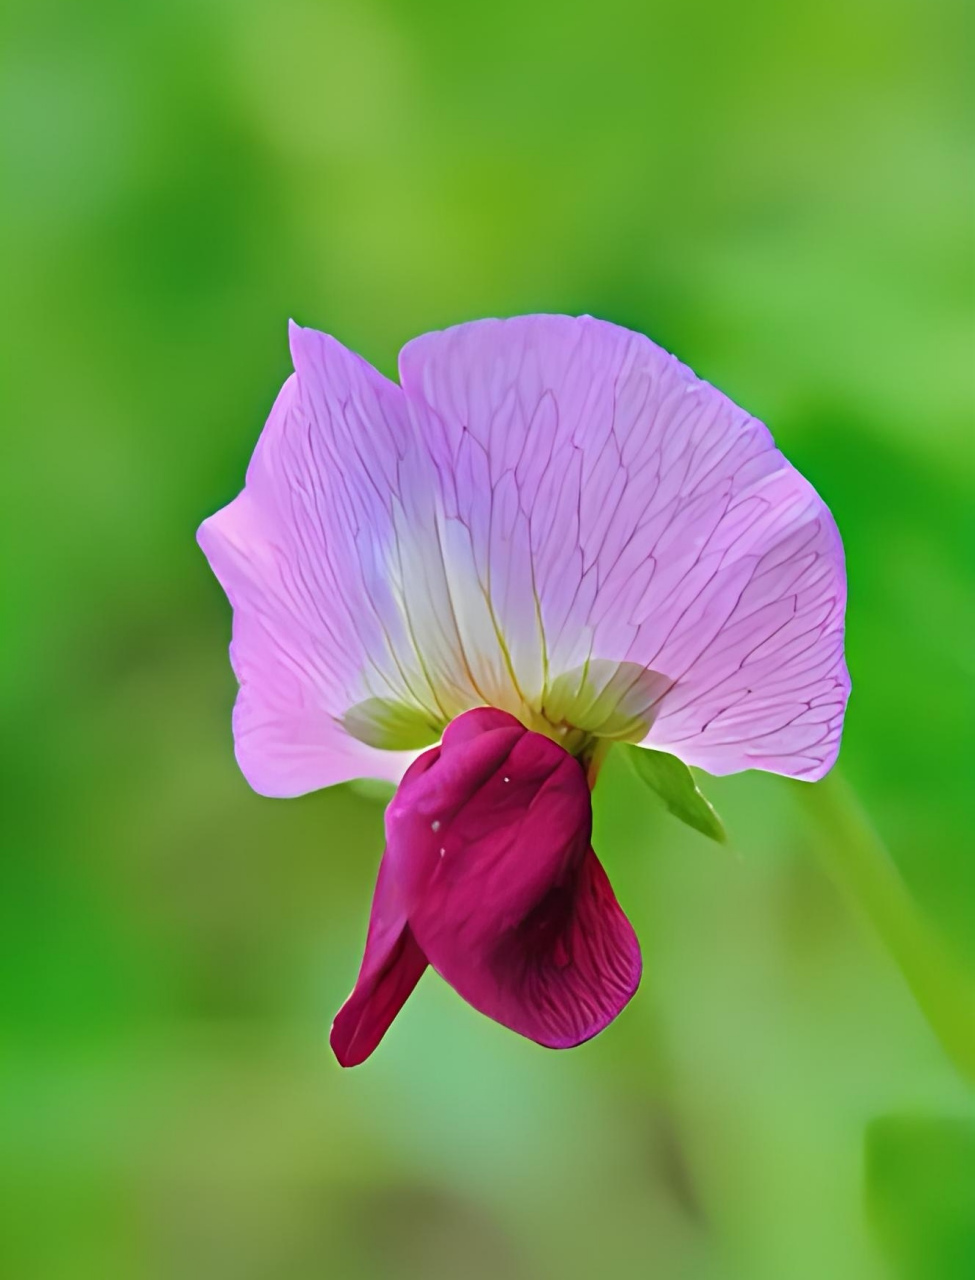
{"x": 550, "y": 537}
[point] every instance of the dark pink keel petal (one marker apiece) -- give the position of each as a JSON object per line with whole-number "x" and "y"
{"x": 391, "y": 966}
{"x": 490, "y": 849}
{"x": 369, "y": 1011}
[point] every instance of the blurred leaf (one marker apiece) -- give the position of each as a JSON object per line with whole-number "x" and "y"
{"x": 920, "y": 1194}
{"x": 675, "y": 785}
{"x": 859, "y": 863}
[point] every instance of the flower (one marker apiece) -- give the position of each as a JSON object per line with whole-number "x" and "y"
{"x": 550, "y": 537}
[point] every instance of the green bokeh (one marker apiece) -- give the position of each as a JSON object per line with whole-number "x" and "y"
{"x": 780, "y": 193}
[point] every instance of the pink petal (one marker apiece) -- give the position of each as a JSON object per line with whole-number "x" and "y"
{"x": 300, "y": 555}
{"x": 490, "y": 850}
{"x": 551, "y": 496}
{"x": 611, "y": 505}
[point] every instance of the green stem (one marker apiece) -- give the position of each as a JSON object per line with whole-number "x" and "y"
{"x": 856, "y": 859}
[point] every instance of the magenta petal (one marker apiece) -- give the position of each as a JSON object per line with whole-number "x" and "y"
{"x": 490, "y": 849}
{"x": 391, "y": 967}
{"x": 571, "y": 967}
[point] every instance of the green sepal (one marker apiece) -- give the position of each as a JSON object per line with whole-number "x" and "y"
{"x": 674, "y": 783}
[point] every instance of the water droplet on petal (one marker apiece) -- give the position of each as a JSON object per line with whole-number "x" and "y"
{"x": 435, "y": 825}
{"x": 507, "y": 779}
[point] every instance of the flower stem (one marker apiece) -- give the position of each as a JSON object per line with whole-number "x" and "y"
{"x": 858, "y": 862}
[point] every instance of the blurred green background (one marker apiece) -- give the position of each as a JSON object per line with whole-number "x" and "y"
{"x": 782, "y": 195}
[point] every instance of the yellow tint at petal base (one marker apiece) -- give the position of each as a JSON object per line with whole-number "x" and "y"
{"x": 391, "y": 726}
{"x": 604, "y": 699}
{"x": 599, "y": 701}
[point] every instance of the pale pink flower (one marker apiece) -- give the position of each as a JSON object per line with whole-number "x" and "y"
{"x": 553, "y": 518}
